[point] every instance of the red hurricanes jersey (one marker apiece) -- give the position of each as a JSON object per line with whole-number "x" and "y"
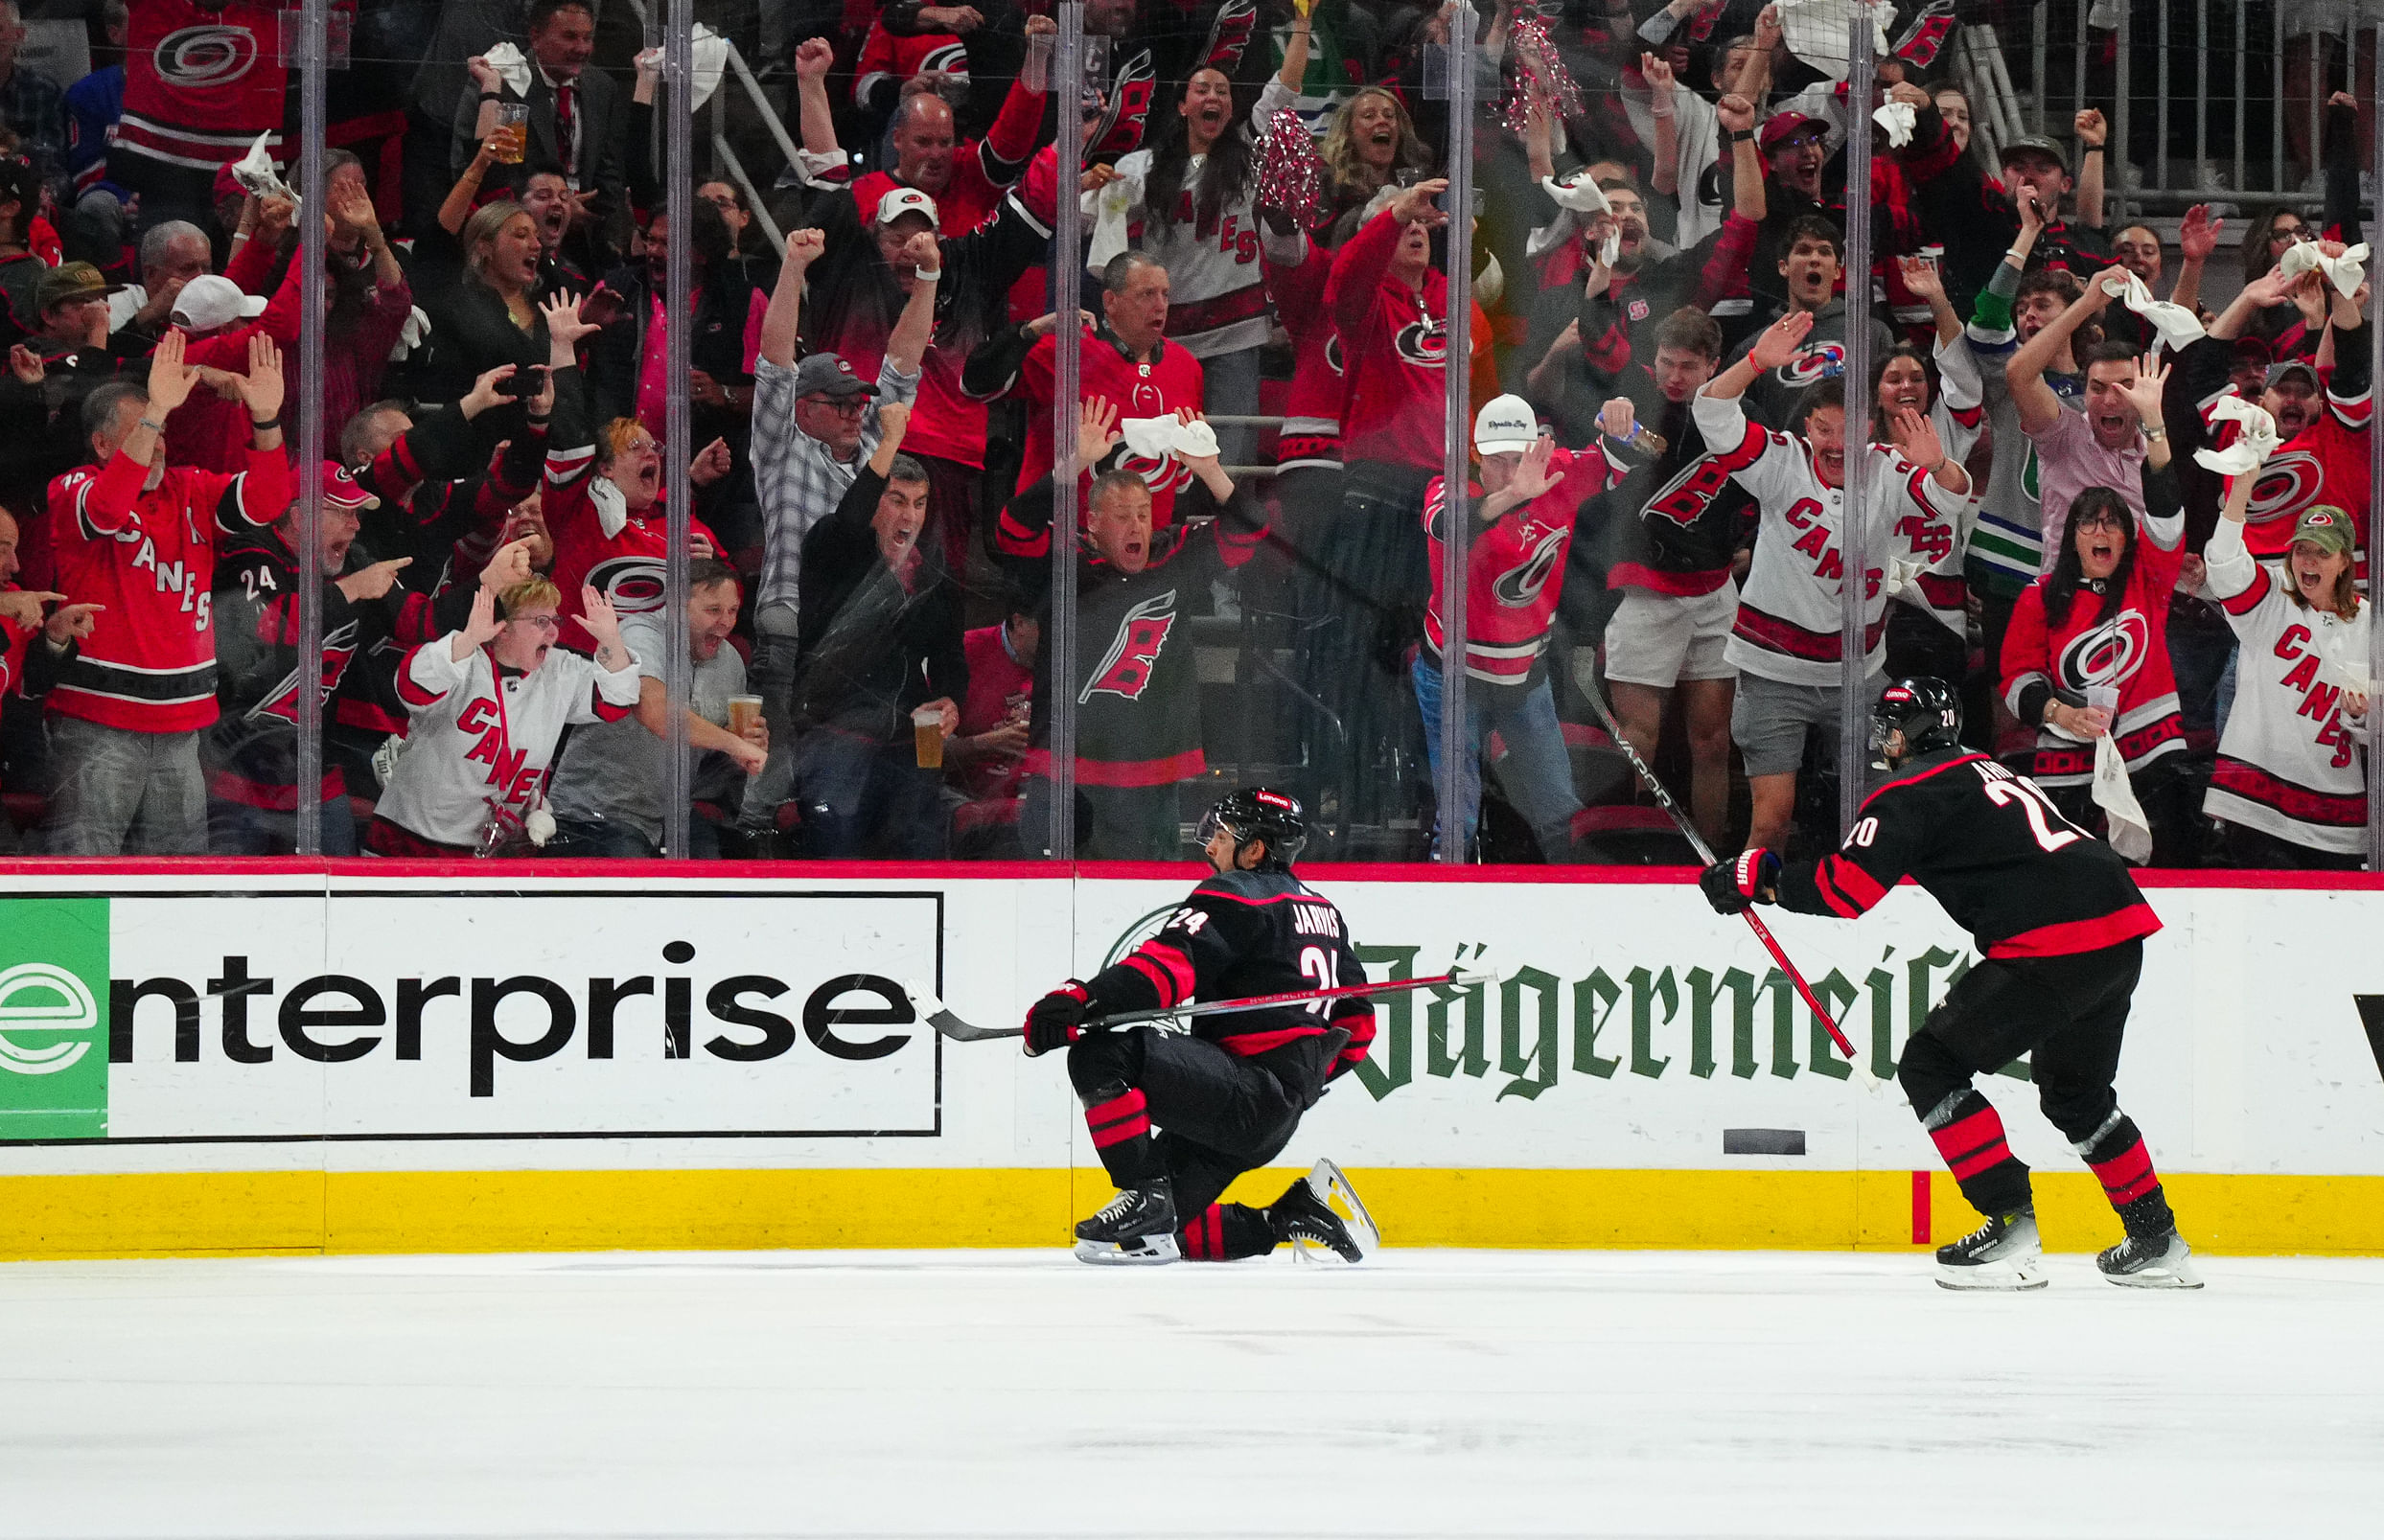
{"x": 620, "y": 553}
{"x": 2129, "y": 652}
{"x": 885, "y": 56}
{"x": 202, "y": 81}
{"x": 150, "y": 556}
{"x": 1311, "y": 429}
{"x": 1170, "y": 380}
{"x": 1514, "y": 569}
{"x": 1395, "y": 345}
{"x": 2324, "y": 463}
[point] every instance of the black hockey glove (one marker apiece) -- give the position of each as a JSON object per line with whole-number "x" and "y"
{"x": 1058, "y": 1019}
{"x": 1735, "y": 885}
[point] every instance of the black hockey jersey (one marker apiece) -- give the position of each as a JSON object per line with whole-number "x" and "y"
{"x": 1990, "y": 847}
{"x": 1245, "y": 933}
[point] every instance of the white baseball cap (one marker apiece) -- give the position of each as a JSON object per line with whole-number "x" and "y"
{"x": 208, "y": 301}
{"x": 904, "y": 200}
{"x": 1507, "y": 426}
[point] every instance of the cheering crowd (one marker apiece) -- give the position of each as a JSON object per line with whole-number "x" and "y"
{"x": 2124, "y": 516}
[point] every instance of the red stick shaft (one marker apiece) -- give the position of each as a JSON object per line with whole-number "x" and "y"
{"x": 1763, "y": 933}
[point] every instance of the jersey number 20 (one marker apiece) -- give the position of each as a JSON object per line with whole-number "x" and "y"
{"x": 2043, "y": 815}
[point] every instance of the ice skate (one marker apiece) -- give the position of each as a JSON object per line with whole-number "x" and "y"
{"x": 1305, "y": 1216}
{"x": 2002, "y": 1253}
{"x": 1141, "y": 1251}
{"x": 2158, "y": 1262}
{"x": 1137, "y": 1213}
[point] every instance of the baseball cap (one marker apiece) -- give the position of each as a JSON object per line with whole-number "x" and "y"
{"x": 2036, "y": 144}
{"x": 340, "y": 489}
{"x": 2327, "y": 527}
{"x": 2277, "y": 372}
{"x": 209, "y": 301}
{"x": 904, "y": 200}
{"x": 1781, "y": 125}
{"x": 1507, "y": 424}
{"x": 827, "y": 374}
{"x": 66, "y": 283}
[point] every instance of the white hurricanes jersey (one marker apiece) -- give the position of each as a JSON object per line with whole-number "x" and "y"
{"x": 2288, "y": 764}
{"x": 1789, "y": 610}
{"x": 472, "y": 745}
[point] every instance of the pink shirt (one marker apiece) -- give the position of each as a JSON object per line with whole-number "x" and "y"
{"x": 2068, "y": 461}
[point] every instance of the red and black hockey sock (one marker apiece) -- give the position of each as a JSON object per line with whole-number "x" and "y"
{"x": 1227, "y": 1233}
{"x": 1120, "y": 1119}
{"x": 1969, "y": 1134}
{"x": 2119, "y": 1158}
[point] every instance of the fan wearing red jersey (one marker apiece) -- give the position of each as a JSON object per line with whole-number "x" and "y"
{"x": 139, "y": 537}
{"x": 1518, "y": 529}
{"x": 34, "y": 647}
{"x": 203, "y": 79}
{"x": 2061, "y": 928}
{"x": 1176, "y": 1116}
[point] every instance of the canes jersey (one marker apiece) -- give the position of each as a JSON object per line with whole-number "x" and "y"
{"x": 1990, "y": 847}
{"x": 598, "y": 541}
{"x": 1514, "y": 569}
{"x": 1787, "y": 629}
{"x": 1138, "y": 713}
{"x": 2326, "y": 463}
{"x": 1245, "y": 933}
{"x": 1169, "y": 380}
{"x": 1395, "y": 348}
{"x": 2286, "y": 764}
{"x": 2128, "y": 652}
{"x": 201, "y": 83}
{"x": 886, "y": 57}
{"x": 1310, "y": 437}
{"x": 485, "y": 737}
{"x": 148, "y": 555}
{"x": 1677, "y": 519}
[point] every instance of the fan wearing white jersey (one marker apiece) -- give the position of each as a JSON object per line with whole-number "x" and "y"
{"x": 489, "y": 704}
{"x": 2289, "y": 786}
{"x": 1927, "y": 623}
{"x": 1785, "y": 642}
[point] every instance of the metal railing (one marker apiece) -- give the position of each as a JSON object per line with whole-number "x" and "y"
{"x": 726, "y": 162}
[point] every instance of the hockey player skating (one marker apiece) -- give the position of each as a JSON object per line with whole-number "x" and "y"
{"x": 2060, "y": 926}
{"x": 1176, "y": 1117}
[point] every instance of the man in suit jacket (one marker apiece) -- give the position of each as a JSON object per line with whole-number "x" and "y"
{"x": 577, "y": 114}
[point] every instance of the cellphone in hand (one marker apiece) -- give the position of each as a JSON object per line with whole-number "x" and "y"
{"x": 526, "y": 381}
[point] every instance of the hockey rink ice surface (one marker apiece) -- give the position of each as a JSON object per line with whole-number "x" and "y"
{"x": 1022, "y": 1393}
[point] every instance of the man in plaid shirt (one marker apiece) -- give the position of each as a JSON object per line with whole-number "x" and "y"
{"x": 814, "y": 425}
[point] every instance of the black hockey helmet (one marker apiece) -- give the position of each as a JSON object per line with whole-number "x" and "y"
{"x": 1924, "y": 708}
{"x": 1258, "y": 813}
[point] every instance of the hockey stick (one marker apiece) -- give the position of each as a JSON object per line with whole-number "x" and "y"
{"x": 1705, "y": 853}
{"x": 942, "y": 1018}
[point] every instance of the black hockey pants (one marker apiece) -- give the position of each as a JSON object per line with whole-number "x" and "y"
{"x": 1218, "y": 1114}
{"x": 2070, "y": 1013}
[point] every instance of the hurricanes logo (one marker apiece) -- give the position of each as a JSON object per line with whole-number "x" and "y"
{"x": 2108, "y": 654}
{"x": 196, "y": 57}
{"x": 1229, "y": 34}
{"x": 632, "y": 582}
{"x": 1821, "y": 361}
{"x": 1423, "y": 343}
{"x": 1518, "y": 586}
{"x": 37, "y": 998}
{"x": 2287, "y": 483}
{"x": 952, "y": 58}
{"x": 1126, "y": 668}
{"x": 1333, "y": 352}
{"x": 1130, "y": 106}
{"x": 338, "y": 650}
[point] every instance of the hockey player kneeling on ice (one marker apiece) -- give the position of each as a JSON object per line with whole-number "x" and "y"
{"x": 2061, "y": 926}
{"x": 1176, "y": 1117}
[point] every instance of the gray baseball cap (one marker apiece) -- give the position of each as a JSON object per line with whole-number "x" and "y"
{"x": 827, "y": 374}
{"x": 2036, "y": 144}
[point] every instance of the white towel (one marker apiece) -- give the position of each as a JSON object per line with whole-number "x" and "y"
{"x": 2177, "y": 325}
{"x": 257, "y": 175}
{"x": 2346, "y": 273}
{"x": 1578, "y": 193}
{"x": 1898, "y": 117}
{"x": 1149, "y": 438}
{"x": 708, "y": 50}
{"x": 2131, "y": 833}
{"x": 2253, "y": 444}
{"x": 506, "y": 59}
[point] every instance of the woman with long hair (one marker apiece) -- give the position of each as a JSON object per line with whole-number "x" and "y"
{"x": 490, "y": 317}
{"x": 2278, "y": 230}
{"x": 2099, "y": 621}
{"x": 1190, "y": 205}
{"x": 1372, "y": 139}
{"x": 2289, "y": 789}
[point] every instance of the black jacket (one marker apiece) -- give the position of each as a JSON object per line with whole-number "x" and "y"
{"x": 872, "y": 649}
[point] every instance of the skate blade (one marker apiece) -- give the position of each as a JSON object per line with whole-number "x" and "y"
{"x": 2177, "y": 1275}
{"x": 1328, "y": 1182}
{"x": 1152, "y": 1250}
{"x": 2004, "y": 1277}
